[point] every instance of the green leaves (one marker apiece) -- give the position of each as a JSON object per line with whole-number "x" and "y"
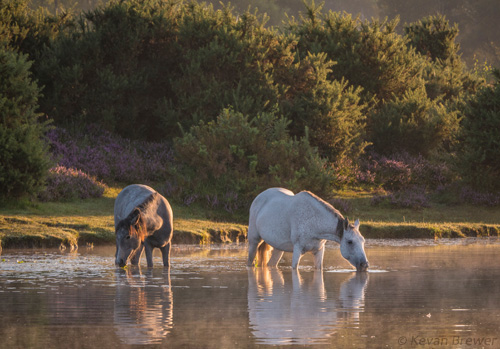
{"x": 245, "y": 157}
{"x": 480, "y": 138}
{"x": 24, "y": 159}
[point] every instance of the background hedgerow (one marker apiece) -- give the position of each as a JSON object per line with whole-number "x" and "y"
{"x": 70, "y": 184}
{"x": 341, "y": 101}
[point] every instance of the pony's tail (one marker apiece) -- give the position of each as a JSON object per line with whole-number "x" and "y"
{"x": 263, "y": 254}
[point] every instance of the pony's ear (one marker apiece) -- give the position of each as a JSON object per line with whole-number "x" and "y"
{"x": 346, "y": 223}
{"x": 356, "y": 224}
{"x": 134, "y": 216}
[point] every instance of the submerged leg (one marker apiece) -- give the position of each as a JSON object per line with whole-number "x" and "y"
{"x": 318, "y": 258}
{"x": 297, "y": 255}
{"x": 252, "y": 251}
{"x": 137, "y": 255}
{"x": 165, "y": 251}
{"x": 275, "y": 258}
{"x": 149, "y": 253}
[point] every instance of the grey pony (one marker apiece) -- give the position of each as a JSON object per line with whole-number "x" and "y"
{"x": 143, "y": 221}
{"x": 281, "y": 221}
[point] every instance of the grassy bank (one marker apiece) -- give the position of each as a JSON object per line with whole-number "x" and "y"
{"x": 78, "y": 223}
{"x": 437, "y": 221}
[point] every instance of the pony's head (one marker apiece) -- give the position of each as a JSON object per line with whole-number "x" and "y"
{"x": 130, "y": 234}
{"x": 352, "y": 245}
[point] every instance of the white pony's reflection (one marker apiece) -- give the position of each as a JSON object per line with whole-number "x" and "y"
{"x": 300, "y": 313}
{"x": 143, "y": 306}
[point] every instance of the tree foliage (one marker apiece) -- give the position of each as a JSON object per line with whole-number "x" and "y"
{"x": 413, "y": 124}
{"x": 367, "y": 54}
{"x": 24, "y": 159}
{"x": 175, "y": 72}
{"x": 480, "y": 138}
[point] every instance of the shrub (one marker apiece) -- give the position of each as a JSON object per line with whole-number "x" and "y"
{"x": 480, "y": 138}
{"x": 446, "y": 75}
{"x": 367, "y": 54}
{"x": 433, "y": 37}
{"x": 240, "y": 157}
{"x": 29, "y": 31}
{"x": 328, "y": 112}
{"x": 70, "y": 184}
{"x": 24, "y": 159}
{"x": 414, "y": 124}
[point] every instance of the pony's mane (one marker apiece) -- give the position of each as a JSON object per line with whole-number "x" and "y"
{"x": 146, "y": 203}
{"x": 140, "y": 231}
{"x": 339, "y": 230}
{"x": 325, "y": 204}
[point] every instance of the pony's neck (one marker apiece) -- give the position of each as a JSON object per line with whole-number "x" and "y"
{"x": 336, "y": 235}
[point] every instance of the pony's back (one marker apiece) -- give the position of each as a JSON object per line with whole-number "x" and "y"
{"x": 129, "y": 198}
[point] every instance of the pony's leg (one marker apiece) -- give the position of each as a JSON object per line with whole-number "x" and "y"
{"x": 137, "y": 255}
{"x": 275, "y": 258}
{"x": 253, "y": 245}
{"x": 165, "y": 252}
{"x": 149, "y": 253}
{"x": 297, "y": 255}
{"x": 318, "y": 258}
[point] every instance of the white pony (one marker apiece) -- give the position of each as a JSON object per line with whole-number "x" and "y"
{"x": 299, "y": 224}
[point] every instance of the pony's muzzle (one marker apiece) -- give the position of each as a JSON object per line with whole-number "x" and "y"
{"x": 363, "y": 266}
{"x": 121, "y": 263}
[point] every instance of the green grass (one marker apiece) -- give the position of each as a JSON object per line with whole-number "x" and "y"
{"x": 69, "y": 224}
{"x": 439, "y": 220}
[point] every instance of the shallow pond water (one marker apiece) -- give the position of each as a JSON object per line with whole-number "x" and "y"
{"x": 427, "y": 294}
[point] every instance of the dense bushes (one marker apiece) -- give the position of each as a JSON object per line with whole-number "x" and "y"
{"x": 24, "y": 159}
{"x": 367, "y": 54}
{"x": 405, "y": 92}
{"x": 224, "y": 89}
{"x": 236, "y": 155}
{"x": 147, "y": 69}
{"x": 413, "y": 124}
{"x": 480, "y": 138}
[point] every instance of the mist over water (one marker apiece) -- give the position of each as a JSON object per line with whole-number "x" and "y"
{"x": 417, "y": 293}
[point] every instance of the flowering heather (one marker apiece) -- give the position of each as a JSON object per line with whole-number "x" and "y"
{"x": 109, "y": 157}
{"x": 470, "y": 196}
{"x": 190, "y": 199}
{"x": 413, "y": 197}
{"x": 231, "y": 201}
{"x": 69, "y": 184}
{"x": 402, "y": 170}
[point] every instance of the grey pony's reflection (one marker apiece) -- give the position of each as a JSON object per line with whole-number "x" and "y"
{"x": 143, "y": 311}
{"x": 300, "y": 313}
